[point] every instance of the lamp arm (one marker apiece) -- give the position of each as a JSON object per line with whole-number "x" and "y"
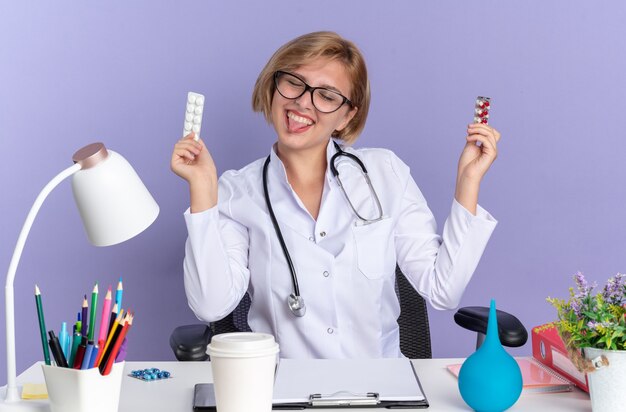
{"x": 12, "y": 394}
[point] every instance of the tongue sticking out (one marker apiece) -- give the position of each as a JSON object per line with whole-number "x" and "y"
{"x": 295, "y": 127}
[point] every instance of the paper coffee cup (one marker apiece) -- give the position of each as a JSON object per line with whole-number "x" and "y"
{"x": 243, "y": 366}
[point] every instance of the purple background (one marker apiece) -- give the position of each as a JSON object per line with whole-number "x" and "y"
{"x": 72, "y": 74}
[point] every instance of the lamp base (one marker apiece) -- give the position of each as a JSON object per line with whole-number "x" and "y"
{"x": 23, "y": 405}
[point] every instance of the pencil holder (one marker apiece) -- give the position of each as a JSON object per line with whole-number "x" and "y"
{"x": 73, "y": 390}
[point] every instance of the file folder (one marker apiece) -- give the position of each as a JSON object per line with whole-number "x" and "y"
{"x": 549, "y": 349}
{"x": 345, "y": 383}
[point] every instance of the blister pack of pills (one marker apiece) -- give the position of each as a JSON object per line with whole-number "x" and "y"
{"x": 481, "y": 110}
{"x": 193, "y": 114}
{"x": 150, "y": 374}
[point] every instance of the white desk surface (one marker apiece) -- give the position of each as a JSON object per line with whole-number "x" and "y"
{"x": 176, "y": 394}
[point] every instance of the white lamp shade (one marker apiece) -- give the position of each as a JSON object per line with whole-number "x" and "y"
{"x": 113, "y": 202}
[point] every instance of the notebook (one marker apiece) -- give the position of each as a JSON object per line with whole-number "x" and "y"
{"x": 536, "y": 377}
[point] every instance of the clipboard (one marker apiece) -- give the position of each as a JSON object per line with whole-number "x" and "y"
{"x": 306, "y": 383}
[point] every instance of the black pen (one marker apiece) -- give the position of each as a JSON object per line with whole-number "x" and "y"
{"x": 57, "y": 352}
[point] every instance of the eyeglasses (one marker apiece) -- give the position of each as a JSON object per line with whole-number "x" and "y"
{"x": 324, "y": 100}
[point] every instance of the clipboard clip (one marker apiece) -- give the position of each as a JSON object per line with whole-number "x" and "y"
{"x": 344, "y": 398}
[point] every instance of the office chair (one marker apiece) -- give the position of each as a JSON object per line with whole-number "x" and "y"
{"x": 189, "y": 342}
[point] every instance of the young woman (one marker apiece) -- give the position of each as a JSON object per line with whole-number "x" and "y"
{"x": 317, "y": 250}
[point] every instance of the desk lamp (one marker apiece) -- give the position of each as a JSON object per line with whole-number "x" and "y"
{"x": 114, "y": 206}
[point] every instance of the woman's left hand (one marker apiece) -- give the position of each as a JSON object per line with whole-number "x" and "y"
{"x": 474, "y": 163}
{"x": 475, "y": 160}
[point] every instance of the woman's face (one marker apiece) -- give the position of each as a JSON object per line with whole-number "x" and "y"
{"x": 298, "y": 124}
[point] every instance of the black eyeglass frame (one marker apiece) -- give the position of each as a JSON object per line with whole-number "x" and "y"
{"x": 311, "y": 89}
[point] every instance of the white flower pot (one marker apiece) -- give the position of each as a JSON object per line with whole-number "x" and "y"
{"x": 607, "y": 385}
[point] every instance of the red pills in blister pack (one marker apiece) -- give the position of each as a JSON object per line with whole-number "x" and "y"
{"x": 481, "y": 110}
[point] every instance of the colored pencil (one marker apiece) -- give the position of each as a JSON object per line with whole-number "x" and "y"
{"x": 118, "y": 294}
{"x": 118, "y": 343}
{"x": 104, "y": 319}
{"x": 92, "y": 319}
{"x": 116, "y": 323}
{"x": 42, "y": 325}
{"x": 114, "y": 313}
{"x": 110, "y": 343}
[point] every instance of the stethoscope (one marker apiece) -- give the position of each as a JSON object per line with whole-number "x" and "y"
{"x": 294, "y": 300}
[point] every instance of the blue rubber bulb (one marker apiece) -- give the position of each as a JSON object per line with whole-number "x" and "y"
{"x": 490, "y": 380}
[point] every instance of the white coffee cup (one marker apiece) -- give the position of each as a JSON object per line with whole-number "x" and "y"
{"x": 243, "y": 366}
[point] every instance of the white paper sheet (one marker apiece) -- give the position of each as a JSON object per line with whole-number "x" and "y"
{"x": 392, "y": 378}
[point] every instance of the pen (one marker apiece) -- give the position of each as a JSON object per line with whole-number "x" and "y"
{"x": 87, "y": 357}
{"x": 84, "y": 316}
{"x": 78, "y": 325}
{"x": 94, "y": 356}
{"x": 104, "y": 321}
{"x": 42, "y": 325}
{"x": 63, "y": 339}
{"x": 55, "y": 347}
{"x": 80, "y": 353}
{"x": 75, "y": 343}
{"x": 118, "y": 294}
{"x": 68, "y": 346}
{"x": 92, "y": 319}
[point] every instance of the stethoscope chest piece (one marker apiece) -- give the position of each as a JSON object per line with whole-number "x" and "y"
{"x": 296, "y": 305}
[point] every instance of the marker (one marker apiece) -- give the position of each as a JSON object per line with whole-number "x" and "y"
{"x": 55, "y": 347}
{"x": 42, "y": 325}
{"x": 92, "y": 319}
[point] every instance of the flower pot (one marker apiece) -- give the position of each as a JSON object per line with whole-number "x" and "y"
{"x": 607, "y": 385}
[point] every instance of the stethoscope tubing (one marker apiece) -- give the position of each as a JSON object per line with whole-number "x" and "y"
{"x": 294, "y": 278}
{"x": 294, "y": 300}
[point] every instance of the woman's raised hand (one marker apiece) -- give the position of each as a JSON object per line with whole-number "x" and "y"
{"x": 476, "y": 159}
{"x": 192, "y": 161}
{"x": 474, "y": 162}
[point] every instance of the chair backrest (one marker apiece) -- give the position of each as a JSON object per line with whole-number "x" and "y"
{"x": 413, "y": 320}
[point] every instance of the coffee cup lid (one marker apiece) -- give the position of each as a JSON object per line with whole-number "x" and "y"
{"x": 242, "y": 344}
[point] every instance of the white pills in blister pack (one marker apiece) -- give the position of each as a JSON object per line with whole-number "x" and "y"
{"x": 193, "y": 114}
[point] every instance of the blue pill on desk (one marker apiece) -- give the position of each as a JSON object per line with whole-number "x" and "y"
{"x": 150, "y": 374}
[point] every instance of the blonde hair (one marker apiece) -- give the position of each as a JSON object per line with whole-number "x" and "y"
{"x": 304, "y": 49}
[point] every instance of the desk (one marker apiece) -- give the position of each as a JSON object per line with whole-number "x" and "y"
{"x": 176, "y": 394}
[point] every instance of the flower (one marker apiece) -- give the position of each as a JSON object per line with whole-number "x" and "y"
{"x": 593, "y": 320}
